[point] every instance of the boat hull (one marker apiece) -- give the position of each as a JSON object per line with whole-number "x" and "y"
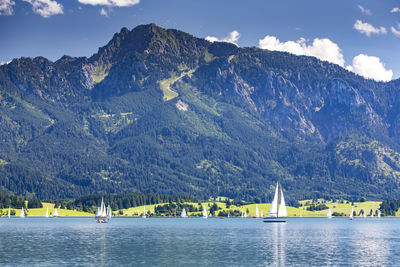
{"x": 274, "y": 219}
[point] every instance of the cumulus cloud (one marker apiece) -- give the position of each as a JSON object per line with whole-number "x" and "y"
{"x": 6, "y": 7}
{"x": 118, "y": 3}
{"x": 364, "y": 10}
{"x": 395, "y": 10}
{"x": 46, "y": 8}
{"x": 233, "y": 37}
{"x": 370, "y": 67}
{"x": 396, "y": 31}
{"x": 324, "y": 49}
{"x": 368, "y": 29}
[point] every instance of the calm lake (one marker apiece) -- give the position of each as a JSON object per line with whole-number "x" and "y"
{"x": 199, "y": 242}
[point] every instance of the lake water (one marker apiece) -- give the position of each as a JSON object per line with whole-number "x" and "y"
{"x": 199, "y": 242}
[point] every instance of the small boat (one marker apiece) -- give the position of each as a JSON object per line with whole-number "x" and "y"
{"x": 144, "y": 212}
{"x": 257, "y": 213}
{"x": 47, "y": 213}
{"x": 275, "y": 214}
{"x": 109, "y": 212}
{"x": 55, "y": 213}
{"x": 351, "y": 214}
{"x": 372, "y": 214}
{"x": 379, "y": 213}
{"x": 205, "y": 216}
{"x": 9, "y": 212}
{"x": 102, "y": 214}
{"x": 228, "y": 214}
{"x": 242, "y": 216}
{"x": 262, "y": 215}
{"x": 364, "y": 214}
{"x": 183, "y": 214}
{"x": 22, "y": 214}
{"x": 329, "y": 216}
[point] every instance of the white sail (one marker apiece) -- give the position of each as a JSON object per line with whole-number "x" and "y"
{"x": 379, "y": 213}
{"x": 47, "y": 213}
{"x": 228, "y": 214}
{"x": 144, "y": 212}
{"x": 109, "y": 214}
{"x": 245, "y": 213}
{"x": 364, "y": 214}
{"x": 262, "y": 215}
{"x": 9, "y": 212}
{"x": 351, "y": 214}
{"x": 205, "y": 212}
{"x": 372, "y": 214}
{"x": 22, "y": 214}
{"x": 282, "y": 208}
{"x": 273, "y": 211}
{"x": 329, "y": 213}
{"x": 242, "y": 214}
{"x": 183, "y": 214}
{"x": 257, "y": 213}
{"x": 55, "y": 213}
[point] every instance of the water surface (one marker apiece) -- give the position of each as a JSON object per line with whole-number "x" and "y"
{"x": 199, "y": 242}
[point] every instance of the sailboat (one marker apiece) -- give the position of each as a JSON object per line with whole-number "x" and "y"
{"x": 109, "y": 213}
{"x": 22, "y": 214}
{"x": 245, "y": 213}
{"x": 351, "y": 214}
{"x": 228, "y": 214}
{"x": 183, "y": 214}
{"x": 101, "y": 214}
{"x": 144, "y": 212}
{"x": 9, "y": 212}
{"x": 329, "y": 216}
{"x": 257, "y": 213}
{"x": 275, "y": 214}
{"x": 364, "y": 214}
{"x": 47, "y": 213}
{"x": 242, "y": 216}
{"x": 262, "y": 215}
{"x": 205, "y": 216}
{"x": 55, "y": 213}
{"x": 379, "y": 213}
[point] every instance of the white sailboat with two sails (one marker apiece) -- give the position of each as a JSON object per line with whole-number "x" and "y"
{"x": 276, "y": 214}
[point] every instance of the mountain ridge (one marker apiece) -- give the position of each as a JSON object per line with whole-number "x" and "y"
{"x": 161, "y": 111}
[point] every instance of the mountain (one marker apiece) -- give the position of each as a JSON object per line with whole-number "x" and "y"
{"x": 161, "y": 111}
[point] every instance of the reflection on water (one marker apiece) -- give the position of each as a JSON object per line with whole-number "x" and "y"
{"x": 199, "y": 242}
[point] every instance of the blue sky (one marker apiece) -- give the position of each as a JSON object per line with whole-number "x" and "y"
{"x": 362, "y": 36}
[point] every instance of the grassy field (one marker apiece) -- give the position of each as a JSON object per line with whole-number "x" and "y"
{"x": 250, "y": 208}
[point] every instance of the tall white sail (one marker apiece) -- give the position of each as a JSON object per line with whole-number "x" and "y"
{"x": 273, "y": 211}
{"x": 262, "y": 215}
{"x": 257, "y": 213}
{"x": 183, "y": 214}
{"x": 282, "y": 208}
{"x": 55, "y": 213}
{"x": 329, "y": 213}
{"x": 9, "y": 212}
{"x": 242, "y": 214}
{"x": 245, "y": 213}
{"x": 47, "y": 213}
{"x": 22, "y": 214}
{"x": 364, "y": 214}
{"x": 205, "y": 212}
{"x": 351, "y": 214}
{"x": 144, "y": 212}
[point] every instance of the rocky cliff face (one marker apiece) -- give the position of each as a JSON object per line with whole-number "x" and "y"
{"x": 159, "y": 110}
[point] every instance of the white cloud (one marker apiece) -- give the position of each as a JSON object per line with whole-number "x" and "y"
{"x": 395, "y": 10}
{"x": 233, "y": 37}
{"x": 364, "y": 10}
{"x": 104, "y": 12}
{"x": 395, "y": 31}
{"x": 46, "y": 8}
{"x": 368, "y": 29}
{"x": 119, "y": 3}
{"x": 6, "y": 7}
{"x": 370, "y": 67}
{"x": 324, "y": 49}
